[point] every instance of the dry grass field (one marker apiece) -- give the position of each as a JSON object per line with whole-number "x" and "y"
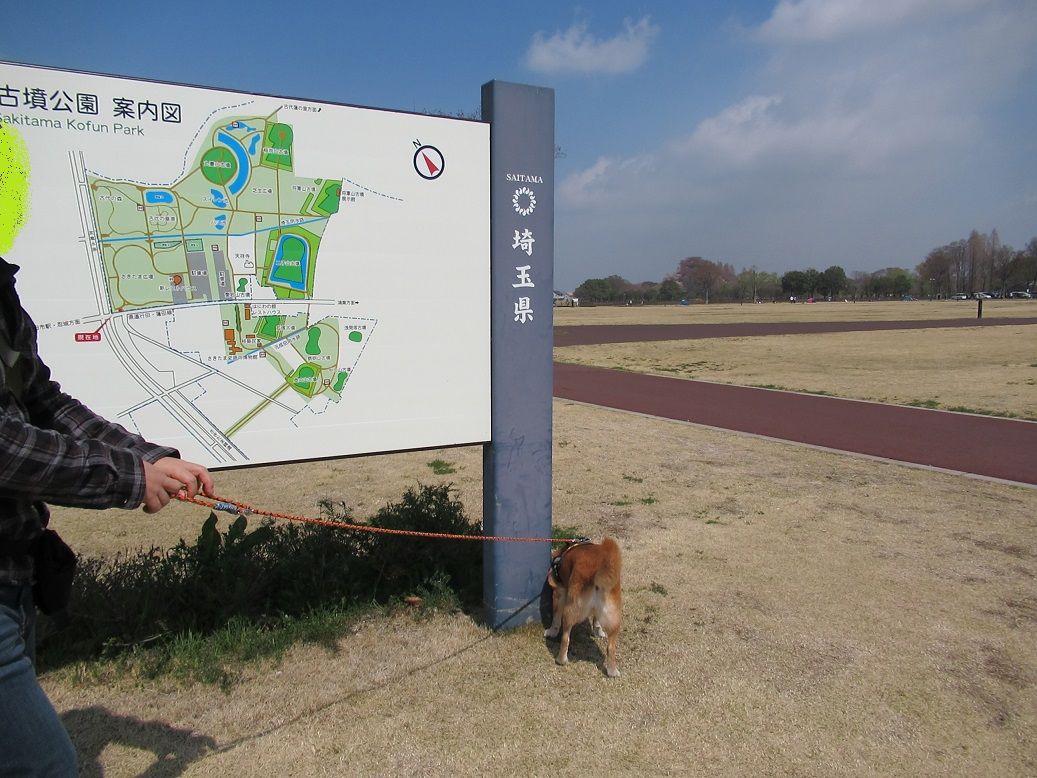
{"x": 990, "y": 370}
{"x": 785, "y": 312}
{"x": 788, "y": 611}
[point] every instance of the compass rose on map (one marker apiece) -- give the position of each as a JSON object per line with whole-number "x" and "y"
{"x": 428, "y": 161}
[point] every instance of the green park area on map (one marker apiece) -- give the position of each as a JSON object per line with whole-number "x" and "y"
{"x": 306, "y": 355}
{"x": 239, "y": 229}
{"x": 168, "y": 245}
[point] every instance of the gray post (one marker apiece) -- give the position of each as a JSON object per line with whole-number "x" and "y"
{"x": 517, "y": 460}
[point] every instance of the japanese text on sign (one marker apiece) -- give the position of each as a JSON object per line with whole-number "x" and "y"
{"x": 62, "y": 101}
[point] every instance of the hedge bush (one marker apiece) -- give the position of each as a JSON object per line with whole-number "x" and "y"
{"x": 263, "y": 576}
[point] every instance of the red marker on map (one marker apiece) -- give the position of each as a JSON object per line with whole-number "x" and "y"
{"x": 91, "y": 337}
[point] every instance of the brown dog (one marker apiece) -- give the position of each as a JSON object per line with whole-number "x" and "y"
{"x": 585, "y": 583}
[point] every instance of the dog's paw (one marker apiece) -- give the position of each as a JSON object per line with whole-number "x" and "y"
{"x": 562, "y": 660}
{"x": 551, "y": 632}
{"x": 599, "y": 632}
{"x": 612, "y": 672}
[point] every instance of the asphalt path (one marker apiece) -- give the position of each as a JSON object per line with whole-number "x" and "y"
{"x": 980, "y": 445}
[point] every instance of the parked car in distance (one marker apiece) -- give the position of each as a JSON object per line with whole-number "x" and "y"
{"x": 1020, "y": 295}
{"x": 982, "y": 296}
{"x": 960, "y": 296}
{"x": 907, "y": 298}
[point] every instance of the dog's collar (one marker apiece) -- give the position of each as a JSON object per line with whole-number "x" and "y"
{"x": 556, "y": 562}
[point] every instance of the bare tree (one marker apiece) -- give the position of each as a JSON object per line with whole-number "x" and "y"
{"x": 976, "y": 248}
{"x": 702, "y": 275}
{"x": 935, "y": 271}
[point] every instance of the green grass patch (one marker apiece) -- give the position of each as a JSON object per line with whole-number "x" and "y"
{"x": 219, "y": 657}
{"x": 985, "y": 412}
{"x": 779, "y": 388}
{"x": 442, "y": 467}
{"x": 931, "y": 404}
{"x": 565, "y": 531}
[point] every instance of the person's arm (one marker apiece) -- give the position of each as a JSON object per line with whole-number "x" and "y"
{"x": 51, "y": 466}
{"x": 52, "y": 409}
{"x": 68, "y": 455}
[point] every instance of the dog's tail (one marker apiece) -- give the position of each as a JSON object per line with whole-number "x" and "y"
{"x": 608, "y": 574}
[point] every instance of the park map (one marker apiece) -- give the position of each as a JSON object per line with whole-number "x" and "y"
{"x": 241, "y": 231}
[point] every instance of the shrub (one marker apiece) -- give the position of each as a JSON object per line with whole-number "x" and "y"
{"x": 404, "y": 563}
{"x": 263, "y": 577}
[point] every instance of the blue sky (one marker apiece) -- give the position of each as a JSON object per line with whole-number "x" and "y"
{"x": 780, "y": 135}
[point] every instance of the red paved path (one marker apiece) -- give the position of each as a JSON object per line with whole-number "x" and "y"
{"x": 998, "y": 448}
{"x": 987, "y": 446}
{"x": 590, "y": 334}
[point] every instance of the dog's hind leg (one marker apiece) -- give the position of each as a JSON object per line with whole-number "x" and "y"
{"x": 552, "y": 631}
{"x": 611, "y": 666}
{"x": 611, "y": 616}
{"x": 563, "y": 649}
{"x": 557, "y": 601}
{"x": 571, "y": 616}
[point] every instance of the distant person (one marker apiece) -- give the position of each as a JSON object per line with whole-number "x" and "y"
{"x": 54, "y": 449}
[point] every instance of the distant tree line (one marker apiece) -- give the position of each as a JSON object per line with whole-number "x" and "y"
{"x": 978, "y": 263}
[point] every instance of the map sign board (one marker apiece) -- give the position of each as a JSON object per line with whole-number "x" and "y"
{"x": 255, "y": 279}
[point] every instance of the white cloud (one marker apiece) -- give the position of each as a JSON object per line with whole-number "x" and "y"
{"x": 825, "y": 20}
{"x": 861, "y": 135}
{"x": 603, "y": 180}
{"x": 893, "y": 93}
{"x": 577, "y": 51}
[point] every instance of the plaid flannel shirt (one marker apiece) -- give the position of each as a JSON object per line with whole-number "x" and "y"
{"x": 52, "y": 447}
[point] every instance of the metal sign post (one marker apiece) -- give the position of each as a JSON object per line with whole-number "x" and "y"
{"x": 517, "y": 461}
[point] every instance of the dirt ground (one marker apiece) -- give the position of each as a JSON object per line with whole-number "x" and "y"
{"x": 788, "y": 611}
{"x": 982, "y": 369}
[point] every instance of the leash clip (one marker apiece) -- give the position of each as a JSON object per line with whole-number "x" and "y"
{"x": 229, "y": 507}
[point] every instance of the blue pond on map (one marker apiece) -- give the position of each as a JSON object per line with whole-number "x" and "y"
{"x": 158, "y": 196}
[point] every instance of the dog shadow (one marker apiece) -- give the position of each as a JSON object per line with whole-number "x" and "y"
{"x": 92, "y": 729}
{"x": 583, "y": 646}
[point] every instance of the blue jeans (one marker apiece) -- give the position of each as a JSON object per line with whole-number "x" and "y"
{"x": 33, "y": 741}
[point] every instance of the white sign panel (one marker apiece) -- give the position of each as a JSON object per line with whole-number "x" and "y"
{"x": 255, "y": 279}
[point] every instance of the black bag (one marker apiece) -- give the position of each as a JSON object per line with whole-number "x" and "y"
{"x": 55, "y": 569}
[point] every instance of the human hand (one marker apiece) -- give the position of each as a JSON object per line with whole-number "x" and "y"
{"x": 168, "y": 476}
